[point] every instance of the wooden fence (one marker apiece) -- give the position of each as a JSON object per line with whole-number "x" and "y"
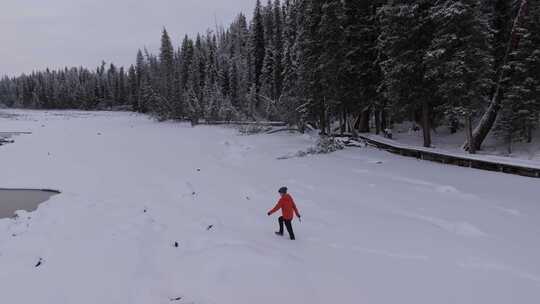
{"x": 462, "y": 160}
{"x": 246, "y": 123}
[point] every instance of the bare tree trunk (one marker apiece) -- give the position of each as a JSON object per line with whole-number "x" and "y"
{"x": 470, "y": 137}
{"x": 509, "y": 139}
{"x": 487, "y": 121}
{"x": 490, "y": 116}
{"x": 377, "y": 122}
{"x": 346, "y": 121}
{"x": 426, "y": 126}
{"x": 364, "y": 120}
{"x": 328, "y": 119}
{"x": 322, "y": 122}
{"x": 384, "y": 120}
{"x": 454, "y": 125}
{"x": 343, "y": 121}
{"x": 356, "y": 121}
{"x": 350, "y": 126}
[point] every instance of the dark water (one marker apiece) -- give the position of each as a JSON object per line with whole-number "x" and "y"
{"x": 29, "y": 200}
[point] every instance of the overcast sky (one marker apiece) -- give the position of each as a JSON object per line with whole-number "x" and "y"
{"x": 35, "y": 34}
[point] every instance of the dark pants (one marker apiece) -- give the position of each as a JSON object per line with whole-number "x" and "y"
{"x": 288, "y": 224}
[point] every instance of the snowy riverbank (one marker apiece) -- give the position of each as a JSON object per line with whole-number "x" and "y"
{"x": 378, "y": 228}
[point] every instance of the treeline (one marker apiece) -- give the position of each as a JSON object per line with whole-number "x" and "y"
{"x": 74, "y": 88}
{"x": 334, "y": 65}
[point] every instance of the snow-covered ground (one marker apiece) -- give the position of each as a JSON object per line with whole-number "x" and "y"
{"x": 377, "y": 228}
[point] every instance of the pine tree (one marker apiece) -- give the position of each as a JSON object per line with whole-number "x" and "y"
{"x": 521, "y": 102}
{"x": 178, "y": 88}
{"x": 290, "y": 101}
{"x": 258, "y": 45}
{"x": 361, "y": 74}
{"x": 164, "y": 77}
{"x": 331, "y": 59}
{"x": 234, "y": 84}
{"x": 133, "y": 88}
{"x": 501, "y": 22}
{"x": 166, "y": 59}
{"x": 355, "y": 60}
{"x": 267, "y": 78}
{"x": 488, "y": 120}
{"x": 459, "y": 60}
{"x": 141, "y": 71}
{"x": 186, "y": 61}
{"x": 309, "y": 50}
{"x": 278, "y": 50}
{"x": 406, "y": 34}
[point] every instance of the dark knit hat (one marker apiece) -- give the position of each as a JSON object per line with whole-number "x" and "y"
{"x": 283, "y": 190}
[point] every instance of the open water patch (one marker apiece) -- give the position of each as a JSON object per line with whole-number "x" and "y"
{"x": 12, "y": 200}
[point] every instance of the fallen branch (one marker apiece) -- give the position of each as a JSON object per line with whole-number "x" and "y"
{"x": 283, "y": 130}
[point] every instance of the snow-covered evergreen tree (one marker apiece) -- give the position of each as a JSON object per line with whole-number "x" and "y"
{"x": 327, "y": 63}
{"x": 459, "y": 60}
{"x": 406, "y": 35}
{"x": 258, "y": 45}
{"x": 521, "y": 103}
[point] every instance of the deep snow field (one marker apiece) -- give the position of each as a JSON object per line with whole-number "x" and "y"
{"x": 377, "y": 227}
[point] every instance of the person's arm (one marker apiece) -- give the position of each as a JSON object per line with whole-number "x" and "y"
{"x": 276, "y": 208}
{"x": 295, "y": 209}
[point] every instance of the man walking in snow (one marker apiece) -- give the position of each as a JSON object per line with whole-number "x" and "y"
{"x": 288, "y": 209}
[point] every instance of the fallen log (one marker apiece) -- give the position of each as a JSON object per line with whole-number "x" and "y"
{"x": 246, "y": 123}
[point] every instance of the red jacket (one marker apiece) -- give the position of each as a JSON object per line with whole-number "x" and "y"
{"x": 287, "y": 206}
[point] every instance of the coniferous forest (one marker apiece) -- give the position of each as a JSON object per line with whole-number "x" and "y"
{"x": 339, "y": 66}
